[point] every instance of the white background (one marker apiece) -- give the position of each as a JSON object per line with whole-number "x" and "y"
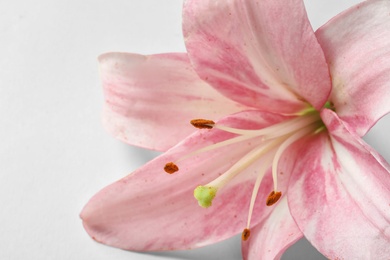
{"x": 54, "y": 153}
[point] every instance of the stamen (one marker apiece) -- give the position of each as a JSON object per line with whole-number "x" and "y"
{"x": 276, "y": 130}
{"x": 202, "y": 123}
{"x": 215, "y": 146}
{"x": 273, "y": 197}
{"x": 269, "y": 142}
{"x": 263, "y": 169}
{"x": 205, "y": 195}
{"x": 291, "y": 139}
{"x": 171, "y": 168}
{"x": 245, "y": 234}
{"x": 293, "y": 126}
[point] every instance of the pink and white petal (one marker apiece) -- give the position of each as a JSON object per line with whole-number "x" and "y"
{"x": 260, "y": 53}
{"x": 270, "y": 238}
{"x": 149, "y": 100}
{"x": 339, "y": 194}
{"x": 357, "y": 47}
{"x": 152, "y": 210}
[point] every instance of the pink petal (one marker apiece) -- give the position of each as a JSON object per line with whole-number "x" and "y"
{"x": 270, "y": 238}
{"x": 152, "y": 210}
{"x": 151, "y": 99}
{"x": 260, "y": 53}
{"x": 339, "y": 194}
{"x": 357, "y": 47}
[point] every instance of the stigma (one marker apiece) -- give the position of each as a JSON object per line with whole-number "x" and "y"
{"x": 205, "y": 195}
{"x": 271, "y": 142}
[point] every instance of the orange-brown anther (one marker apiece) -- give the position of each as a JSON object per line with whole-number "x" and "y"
{"x": 202, "y": 123}
{"x": 273, "y": 197}
{"x": 171, "y": 168}
{"x": 245, "y": 234}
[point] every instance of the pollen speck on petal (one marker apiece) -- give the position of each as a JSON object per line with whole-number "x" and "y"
{"x": 273, "y": 197}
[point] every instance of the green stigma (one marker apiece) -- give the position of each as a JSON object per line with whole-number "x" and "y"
{"x": 205, "y": 195}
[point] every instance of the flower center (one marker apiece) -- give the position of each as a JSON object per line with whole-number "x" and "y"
{"x": 274, "y": 140}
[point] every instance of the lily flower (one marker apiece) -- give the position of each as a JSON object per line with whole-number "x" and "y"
{"x": 279, "y": 155}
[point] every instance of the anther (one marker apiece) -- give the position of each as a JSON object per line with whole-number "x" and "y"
{"x": 273, "y": 197}
{"x": 245, "y": 234}
{"x": 171, "y": 168}
{"x": 202, "y": 123}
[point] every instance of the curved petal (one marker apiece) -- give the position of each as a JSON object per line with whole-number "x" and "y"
{"x": 270, "y": 238}
{"x": 151, "y": 210}
{"x": 339, "y": 195}
{"x": 357, "y": 47}
{"x": 151, "y": 99}
{"x": 260, "y": 53}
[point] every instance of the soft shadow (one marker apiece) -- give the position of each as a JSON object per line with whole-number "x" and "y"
{"x": 377, "y": 137}
{"x": 302, "y": 250}
{"x": 136, "y": 157}
{"x": 141, "y": 154}
{"x": 229, "y": 249}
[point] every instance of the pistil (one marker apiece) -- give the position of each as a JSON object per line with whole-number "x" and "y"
{"x": 271, "y": 143}
{"x": 233, "y": 140}
{"x": 237, "y": 168}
